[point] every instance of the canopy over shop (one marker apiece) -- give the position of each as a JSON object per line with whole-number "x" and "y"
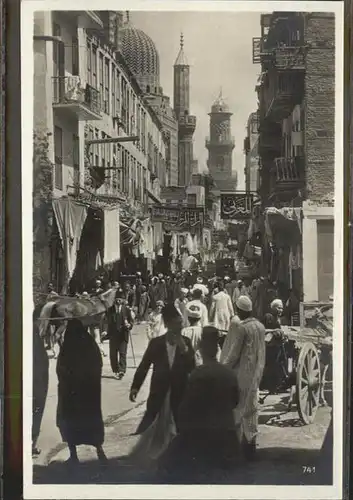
{"x": 274, "y": 247}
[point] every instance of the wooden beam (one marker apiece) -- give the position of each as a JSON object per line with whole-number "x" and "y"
{"x": 112, "y": 141}
{"x": 48, "y": 38}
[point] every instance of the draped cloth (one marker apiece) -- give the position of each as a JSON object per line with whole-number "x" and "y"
{"x": 111, "y": 236}
{"x": 70, "y": 218}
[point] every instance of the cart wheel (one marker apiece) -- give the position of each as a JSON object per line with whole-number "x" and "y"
{"x": 308, "y": 382}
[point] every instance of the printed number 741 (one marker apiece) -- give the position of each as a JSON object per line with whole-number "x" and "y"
{"x": 307, "y": 469}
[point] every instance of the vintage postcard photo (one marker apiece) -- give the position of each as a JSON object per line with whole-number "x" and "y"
{"x": 183, "y": 249}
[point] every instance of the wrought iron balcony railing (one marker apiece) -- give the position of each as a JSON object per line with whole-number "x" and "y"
{"x": 67, "y": 91}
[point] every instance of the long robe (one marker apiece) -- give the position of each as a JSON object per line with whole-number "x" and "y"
{"x": 164, "y": 378}
{"x": 221, "y": 311}
{"x": 79, "y": 370}
{"x": 245, "y": 354}
{"x": 40, "y": 378}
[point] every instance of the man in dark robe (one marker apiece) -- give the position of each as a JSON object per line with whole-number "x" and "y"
{"x": 40, "y": 380}
{"x": 207, "y": 436}
{"x": 79, "y": 370}
{"x": 166, "y": 375}
{"x": 120, "y": 322}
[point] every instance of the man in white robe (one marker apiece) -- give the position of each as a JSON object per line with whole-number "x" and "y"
{"x": 221, "y": 310}
{"x": 244, "y": 352}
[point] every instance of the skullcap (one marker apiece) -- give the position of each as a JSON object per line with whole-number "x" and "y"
{"x": 276, "y": 303}
{"x": 244, "y": 303}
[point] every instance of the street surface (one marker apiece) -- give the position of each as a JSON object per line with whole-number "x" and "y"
{"x": 289, "y": 452}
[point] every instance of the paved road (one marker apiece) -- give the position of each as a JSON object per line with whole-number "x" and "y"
{"x": 286, "y": 447}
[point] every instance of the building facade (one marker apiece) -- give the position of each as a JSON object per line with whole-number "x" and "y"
{"x": 186, "y": 122}
{"x": 296, "y": 133}
{"x": 220, "y": 145}
{"x": 142, "y": 58}
{"x": 104, "y": 139}
{"x": 251, "y": 170}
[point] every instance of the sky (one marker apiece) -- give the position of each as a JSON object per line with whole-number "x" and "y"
{"x": 218, "y": 47}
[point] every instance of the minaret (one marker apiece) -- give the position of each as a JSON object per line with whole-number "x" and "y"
{"x": 220, "y": 146}
{"x": 186, "y": 122}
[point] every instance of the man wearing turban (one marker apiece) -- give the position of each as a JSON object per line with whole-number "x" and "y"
{"x": 244, "y": 352}
{"x": 272, "y": 320}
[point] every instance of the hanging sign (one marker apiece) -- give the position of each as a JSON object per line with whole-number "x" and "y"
{"x": 236, "y": 206}
{"x": 181, "y": 218}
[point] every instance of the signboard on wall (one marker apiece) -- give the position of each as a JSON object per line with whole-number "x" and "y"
{"x": 237, "y": 205}
{"x": 178, "y": 218}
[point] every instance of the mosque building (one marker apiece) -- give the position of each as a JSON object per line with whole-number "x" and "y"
{"x": 141, "y": 56}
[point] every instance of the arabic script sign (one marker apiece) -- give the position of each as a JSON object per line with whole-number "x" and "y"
{"x": 236, "y": 205}
{"x": 178, "y": 217}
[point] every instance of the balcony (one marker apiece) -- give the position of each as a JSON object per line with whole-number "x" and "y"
{"x": 270, "y": 138}
{"x": 187, "y": 124}
{"x": 281, "y": 94}
{"x": 220, "y": 142}
{"x": 288, "y": 174}
{"x": 70, "y": 96}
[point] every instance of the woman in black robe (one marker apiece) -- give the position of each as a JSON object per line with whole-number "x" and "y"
{"x": 40, "y": 380}
{"x": 79, "y": 370}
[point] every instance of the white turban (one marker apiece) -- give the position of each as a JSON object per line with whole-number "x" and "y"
{"x": 276, "y": 303}
{"x": 244, "y": 303}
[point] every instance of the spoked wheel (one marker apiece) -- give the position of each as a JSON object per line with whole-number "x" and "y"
{"x": 308, "y": 382}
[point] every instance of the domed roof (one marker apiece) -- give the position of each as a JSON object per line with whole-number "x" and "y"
{"x": 220, "y": 105}
{"x": 140, "y": 54}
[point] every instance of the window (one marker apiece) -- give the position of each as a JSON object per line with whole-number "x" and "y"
{"x": 58, "y": 153}
{"x": 75, "y": 62}
{"x": 94, "y": 67}
{"x": 192, "y": 200}
{"x": 117, "y": 92}
{"x": 91, "y": 148}
{"x": 106, "y": 86}
{"x": 114, "y": 110}
{"x": 76, "y": 158}
{"x": 119, "y": 165}
{"x": 127, "y": 111}
{"x": 96, "y": 150}
{"x": 89, "y": 62}
{"x": 58, "y": 53}
{"x": 124, "y": 102}
{"x": 101, "y": 87}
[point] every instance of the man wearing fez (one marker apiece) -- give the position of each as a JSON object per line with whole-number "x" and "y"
{"x": 120, "y": 322}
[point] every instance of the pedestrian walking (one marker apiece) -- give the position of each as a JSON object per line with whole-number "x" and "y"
{"x": 221, "y": 310}
{"x": 194, "y": 330}
{"x": 180, "y": 304}
{"x": 143, "y": 304}
{"x": 40, "y": 381}
{"x": 156, "y": 326}
{"x": 246, "y": 356}
{"x": 120, "y": 322}
{"x": 172, "y": 358}
{"x": 207, "y": 437}
{"x": 79, "y": 370}
{"x": 197, "y": 300}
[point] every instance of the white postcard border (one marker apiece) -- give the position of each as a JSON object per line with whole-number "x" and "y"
{"x": 32, "y": 491}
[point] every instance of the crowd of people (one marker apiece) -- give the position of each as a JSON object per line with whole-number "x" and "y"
{"x": 206, "y": 348}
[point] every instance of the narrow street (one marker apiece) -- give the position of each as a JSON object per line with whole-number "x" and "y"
{"x": 289, "y": 453}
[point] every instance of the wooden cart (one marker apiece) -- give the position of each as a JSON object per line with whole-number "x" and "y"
{"x": 298, "y": 360}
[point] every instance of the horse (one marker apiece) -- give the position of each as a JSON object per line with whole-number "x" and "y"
{"x": 57, "y": 312}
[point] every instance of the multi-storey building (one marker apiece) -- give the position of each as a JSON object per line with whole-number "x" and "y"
{"x": 296, "y": 132}
{"x": 251, "y": 170}
{"x": 84, "y": 91}
{"x": 141, "y": 56}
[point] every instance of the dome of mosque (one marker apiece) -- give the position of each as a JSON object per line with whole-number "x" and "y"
{"x": 141, "y": 56}
{"x": 220, "y": 105}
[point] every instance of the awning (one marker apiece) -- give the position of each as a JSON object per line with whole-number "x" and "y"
{"x": 70, "y": 218}
{"x": 153, "y": 197}
{"x": 111, "y": 236}
{"x": 285, "y": 221}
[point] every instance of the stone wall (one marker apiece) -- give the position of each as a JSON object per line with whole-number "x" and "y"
{"x": 320, "y": 104}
